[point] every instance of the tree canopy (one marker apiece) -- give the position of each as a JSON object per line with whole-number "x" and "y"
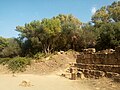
{"x": 48, "y": 35}
{"x": 64, "y": 32}
{"x": 107, "y": 22}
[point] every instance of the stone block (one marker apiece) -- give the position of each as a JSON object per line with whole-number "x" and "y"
{"x": 80, "y": 75}
{"x": 73, "y": 76}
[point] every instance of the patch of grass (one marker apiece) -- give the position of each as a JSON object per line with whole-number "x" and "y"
{"x": 39, "y": 55}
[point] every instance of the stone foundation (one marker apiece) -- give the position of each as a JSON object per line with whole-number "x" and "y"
{"x": 99, "y": 64}
{"x": 106, "y": 59}
{"x": 100, "y": 67}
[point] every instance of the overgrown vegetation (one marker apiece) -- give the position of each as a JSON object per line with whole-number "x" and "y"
{"x": 62, "y": 32}
{"x": 16, "y": 64}
{"x": 4, "y": 61}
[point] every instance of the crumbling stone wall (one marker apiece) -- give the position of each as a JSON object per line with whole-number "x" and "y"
{"x": 99, "y": 64}
{"x": 99, "y": 58}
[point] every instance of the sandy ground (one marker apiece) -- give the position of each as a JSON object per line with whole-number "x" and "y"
{"x": 54, "y": 82}
{"x": 46, "y": 76}
{"x": 45, "y": 82}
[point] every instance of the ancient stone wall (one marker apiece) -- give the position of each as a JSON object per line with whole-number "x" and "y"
{"x": 99, "y": 64}
{"x": 99, "y": 58}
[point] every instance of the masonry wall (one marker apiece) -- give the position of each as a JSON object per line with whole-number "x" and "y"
{"x": 106, "y": 59}
{"x": 99, "y": 64}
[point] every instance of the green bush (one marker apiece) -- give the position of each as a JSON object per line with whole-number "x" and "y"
{"x": 4, "y": 60}
{"x": 39, "y": 55}
{"x": 18, "y": 64}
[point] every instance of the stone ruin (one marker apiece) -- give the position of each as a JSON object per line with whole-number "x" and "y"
{"x": 92, "y": 64}
{"x": 104, "y": 63}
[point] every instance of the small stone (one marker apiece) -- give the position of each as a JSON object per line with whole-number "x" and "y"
{"x": 97, "y": 88}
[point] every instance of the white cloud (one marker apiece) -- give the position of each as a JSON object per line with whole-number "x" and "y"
{"x": 93, "y": 10}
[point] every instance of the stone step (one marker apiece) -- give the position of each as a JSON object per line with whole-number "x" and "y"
{"x": 97, "y": 74}
{"x": 100, "y": 67}
{"x": 116, "y": 78}
{"x": 92, "y": 73}
{"x": 111, "y": 74}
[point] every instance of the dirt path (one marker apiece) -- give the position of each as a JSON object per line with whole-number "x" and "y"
{"x": 54, "y": 82}
{"x": 46, "y": 82}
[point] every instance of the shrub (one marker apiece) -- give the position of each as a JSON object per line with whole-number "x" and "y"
{"x": 4, "y": 60}
{"x": 39, "y": 55}
{"x": 18, "y": 64}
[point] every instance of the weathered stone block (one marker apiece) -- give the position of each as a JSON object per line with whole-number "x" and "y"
{"x": 73, "y": 76}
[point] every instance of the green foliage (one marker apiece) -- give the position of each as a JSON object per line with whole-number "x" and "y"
{"x": 10, "y": 47}
{"x": 107, "y": 14}
{"x": 50, "y": 35}
{"x": 3, "y": 44}
{"x": 107, "y": 22}
{"x": 109, "y": 36}
{"x": 89, "y": 35}
{"x": 64, "y": 32}
{"x": 71, "y": 33}
{"x": 114, "y": 11}
{"x": 18, "y": 64}
{"x": 101, "y": 16}
{"x": 4, "y": 61}
{"x": 39, "y": 55}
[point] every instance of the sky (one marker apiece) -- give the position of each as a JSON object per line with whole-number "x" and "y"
{"x": 19, "y": 12}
